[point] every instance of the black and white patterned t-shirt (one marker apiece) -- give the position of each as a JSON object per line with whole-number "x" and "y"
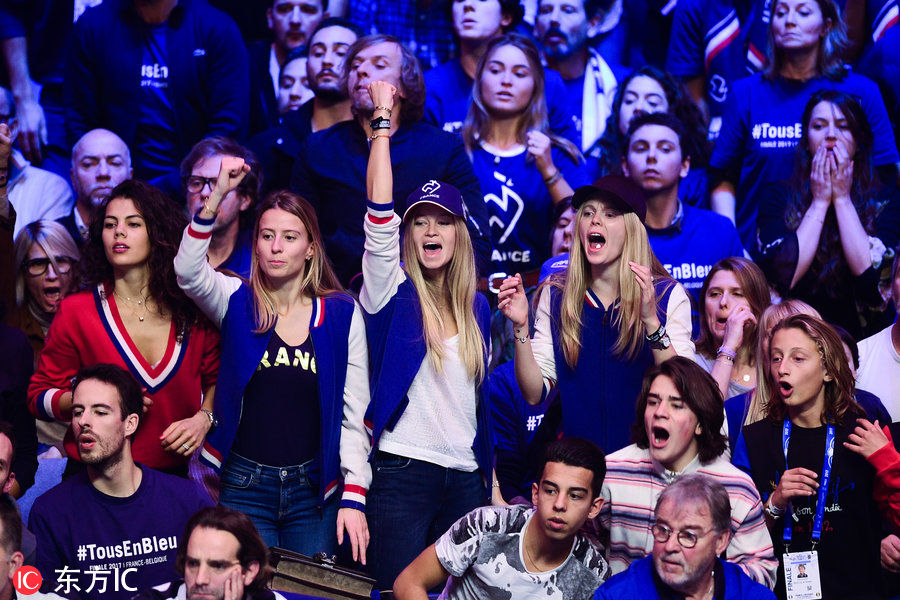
{"x": 483, "y": 554}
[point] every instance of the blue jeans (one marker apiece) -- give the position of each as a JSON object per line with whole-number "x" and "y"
{"x": 412, "y": 503}
{"x": 281, "y": 501}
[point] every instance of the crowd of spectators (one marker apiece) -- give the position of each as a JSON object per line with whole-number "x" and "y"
{"x": 365, "y": 273}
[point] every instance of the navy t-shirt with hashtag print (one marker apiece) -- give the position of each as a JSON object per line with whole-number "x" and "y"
{"x": 762, "y": 128}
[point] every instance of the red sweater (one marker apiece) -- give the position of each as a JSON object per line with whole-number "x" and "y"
{"x": 87, "y": 330}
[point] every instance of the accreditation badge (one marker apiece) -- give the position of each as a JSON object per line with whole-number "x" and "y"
{"x": 801, "y": 576}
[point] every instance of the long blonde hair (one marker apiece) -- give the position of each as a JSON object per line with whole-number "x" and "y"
{"x": 458, "y": 292}
{"x": 578, "y": 278}
{"x": 318, "y": 277}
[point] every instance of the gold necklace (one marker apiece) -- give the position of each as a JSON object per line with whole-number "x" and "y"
{"x": 141, "y": 303}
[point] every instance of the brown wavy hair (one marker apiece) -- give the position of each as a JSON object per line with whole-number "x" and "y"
{"x": 165, "y": 221}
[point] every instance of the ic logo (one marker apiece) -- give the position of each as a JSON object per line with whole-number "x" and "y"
{"x": 27, "y": 580}
{"x": 431, "y": 187}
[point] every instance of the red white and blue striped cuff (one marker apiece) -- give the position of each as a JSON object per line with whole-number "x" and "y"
{"x": 379, "y": 213}
{"x": 201, "y": 228}
{"x": 48, "y": 404}
{"x": 354, "y": 496}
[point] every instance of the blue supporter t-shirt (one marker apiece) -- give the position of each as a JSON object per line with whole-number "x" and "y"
{"x": 762, "y": 127}
{"x": 155, "y": 140}
{"x": 719, "y": 40}
{"x": 111, "y": 548}
{"x": 519, "y": 206}
{"x": 678, "y": 247}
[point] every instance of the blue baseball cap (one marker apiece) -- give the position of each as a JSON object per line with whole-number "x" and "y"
{"x": 438, "y": 193}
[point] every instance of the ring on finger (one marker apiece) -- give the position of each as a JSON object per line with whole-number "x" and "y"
{"x": 186, "y": 446}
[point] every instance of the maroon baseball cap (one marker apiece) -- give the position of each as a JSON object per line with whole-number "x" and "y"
{"x": 438, "y": 193}
{"x": 624, "y": 192}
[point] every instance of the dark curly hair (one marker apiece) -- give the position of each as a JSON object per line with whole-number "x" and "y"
{"x": 829, "y": 266}
{"x": 165, "y": 221}
{"x": 695, "y": 144}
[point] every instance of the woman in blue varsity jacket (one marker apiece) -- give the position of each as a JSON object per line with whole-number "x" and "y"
{"x": 428, "y": 330}
{"x": 599, "y": 325}
{"x": 293, "y": 378}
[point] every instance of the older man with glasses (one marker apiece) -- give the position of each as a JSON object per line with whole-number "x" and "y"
{"x": 692, "y": 528}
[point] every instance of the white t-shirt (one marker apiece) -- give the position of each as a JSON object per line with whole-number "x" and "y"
{"x": 879, "y": 370}
{"x": 439, "y": 423}
{"x": 483, "y": 554}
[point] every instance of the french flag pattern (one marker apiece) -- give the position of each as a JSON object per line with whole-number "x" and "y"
{"x": 354, "y": 496}
{"x": 886, "y": 18}
{"x": 211, "y": 456}
{"x": 722, "y": 34}
{"x": 151, "y": 377}
{"x": 201, "y": 229}
{"x": 755, "y": 57}
{"x": 379, "y": 213}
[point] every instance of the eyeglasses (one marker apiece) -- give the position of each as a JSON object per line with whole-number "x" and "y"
{"x": 38, "y": 266}
{"x": 687, "y": 539}
{"x": 196, "y": 184}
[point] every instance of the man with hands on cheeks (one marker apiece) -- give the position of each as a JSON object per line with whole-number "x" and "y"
{"x": 877, "y": 446}
{"x": 220, "y": 557}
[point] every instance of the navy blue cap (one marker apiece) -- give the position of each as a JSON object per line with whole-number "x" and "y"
{"x": 624, "y": 192}
{"x": 440, "y": 194}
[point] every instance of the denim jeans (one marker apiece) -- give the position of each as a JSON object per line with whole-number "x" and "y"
{"x": 281, "y": 501}
{"x": 412, "y": 503}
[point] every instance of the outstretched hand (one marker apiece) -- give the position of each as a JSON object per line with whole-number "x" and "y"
{"x": 867, "y": 438}
{"x": 357, "y": 528}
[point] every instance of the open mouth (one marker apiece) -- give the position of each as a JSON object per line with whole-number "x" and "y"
{"x": 431, "y": 248}
{"x": 596, "y": 241}
{"x": 786, "y": 388}
{"x": 660, "y": 436}
{"x": 120, "y": 248}
{"x": 52, "y": 294}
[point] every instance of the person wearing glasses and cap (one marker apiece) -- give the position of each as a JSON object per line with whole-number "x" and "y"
{"x": 678, "y": 431}
{"x": 692, "y": 528}
{"x": 599, "y": 325}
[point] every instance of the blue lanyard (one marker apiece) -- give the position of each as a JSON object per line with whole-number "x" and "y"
{"x": 823, "y": 484}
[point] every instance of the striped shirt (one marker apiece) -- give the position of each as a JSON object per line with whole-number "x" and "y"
{"x": 632, "y": 486}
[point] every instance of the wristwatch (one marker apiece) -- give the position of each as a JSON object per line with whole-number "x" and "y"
{"x": 659, "y": 339}
{"x": 213, "y": 421}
